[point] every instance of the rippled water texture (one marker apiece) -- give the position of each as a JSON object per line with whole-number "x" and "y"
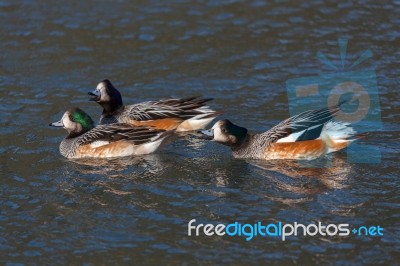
{"x": 136, "y": 210}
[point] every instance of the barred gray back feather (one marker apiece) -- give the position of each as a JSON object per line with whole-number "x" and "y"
{"x": 115, "y": 132}
{"x": 168, "y": 108}
{"x": 108, "y": 119}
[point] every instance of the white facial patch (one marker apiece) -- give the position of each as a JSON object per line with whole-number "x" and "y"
{"x": 102, "y": 92}
{"x": 216, "y": 125}
{"x": 218, "y": 135}
{"x": 100, "y": 86}
{"x": 67, "y": 123}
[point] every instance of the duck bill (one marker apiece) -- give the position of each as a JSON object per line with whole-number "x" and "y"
{"x": 208, "y": 134}
{"x": 56, "y": 124}
{"x": 94, "y": 96}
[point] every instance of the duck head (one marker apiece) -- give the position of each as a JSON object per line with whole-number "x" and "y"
{"x": 75, "y": 121}
{"x": 107, "y": 96}
{"x": 227, "y": 133}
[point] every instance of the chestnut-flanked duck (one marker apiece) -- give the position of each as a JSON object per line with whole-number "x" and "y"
{"x": 170, "y": 114}
{"x": 105, "y": 141}
{"x": 306, "y": 136}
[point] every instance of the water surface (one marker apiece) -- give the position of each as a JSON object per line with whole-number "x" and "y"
{"x": 136, "y": 210}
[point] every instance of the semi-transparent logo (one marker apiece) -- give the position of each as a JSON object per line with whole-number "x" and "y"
{"x": 347, "y": 82}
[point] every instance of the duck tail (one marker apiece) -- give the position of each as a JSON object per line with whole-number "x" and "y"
{"x": 199, "y": 121}
{"x": 338, "y": 135}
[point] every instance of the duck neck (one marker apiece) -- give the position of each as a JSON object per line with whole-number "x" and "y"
{"x": 77, "y": 131}
{"x": 242, "y": 143}
{"x": 243, "y": 148}
{"x": 111, "y": 108}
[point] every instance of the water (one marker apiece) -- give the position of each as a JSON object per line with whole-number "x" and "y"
{"x": 136, "y": 210}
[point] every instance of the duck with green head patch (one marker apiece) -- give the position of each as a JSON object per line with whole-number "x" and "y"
{"x": 114, "y": 140}
{"x": 306, "y": 136}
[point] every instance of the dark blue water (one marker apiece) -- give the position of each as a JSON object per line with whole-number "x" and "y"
{"x": 136, "y": 210}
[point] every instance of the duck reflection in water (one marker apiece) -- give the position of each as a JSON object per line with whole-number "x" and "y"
{"x": 151, "y": 163}
{"x": 298, "y": 181}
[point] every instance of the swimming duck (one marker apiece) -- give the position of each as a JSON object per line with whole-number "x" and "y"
{"x": 306, "y": 136}
{"x": 114, "y": 140}
{"x": 170, "y": 114}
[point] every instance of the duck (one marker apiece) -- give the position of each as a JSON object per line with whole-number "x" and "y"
{"x": 84, "y": 139}
{"x": 181, "y": 115}
{"x": 306, "y": 136}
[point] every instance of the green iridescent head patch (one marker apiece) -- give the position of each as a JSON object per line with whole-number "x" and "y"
{"x": 79, "y": 116}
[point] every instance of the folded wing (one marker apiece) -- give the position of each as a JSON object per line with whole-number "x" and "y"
{"x": 169, "y": 108}
{"x": 305, "y": 126}
{"x": 106, "y": 134}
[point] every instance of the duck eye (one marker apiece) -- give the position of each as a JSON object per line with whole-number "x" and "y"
{"x": 224, "y": 130}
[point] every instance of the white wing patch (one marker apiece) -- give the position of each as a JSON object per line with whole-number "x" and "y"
{"x": 197, "y": 122}
{"x": 98, "y": 143}
{"x": 337, "y": 131}
{"x": 293, "y": 137}
{"x": 148, "y": 147}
